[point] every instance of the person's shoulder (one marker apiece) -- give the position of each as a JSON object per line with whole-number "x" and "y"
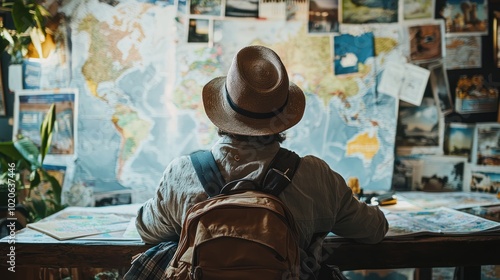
{"x": 179, "y": 162}
{"x": 312, "y": 159}
{"x": 312, "y": 162}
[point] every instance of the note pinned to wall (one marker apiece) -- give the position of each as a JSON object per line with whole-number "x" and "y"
{"x": 392, "y": 79}
{"x": 404, "y": 80}
{"x": 414, "y": 84}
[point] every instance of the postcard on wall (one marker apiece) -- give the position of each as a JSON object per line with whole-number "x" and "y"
{"x": 420, "y": 128}
{"x": 416, "y": 10}
{"x": 463, "y": 52}
{"x": 407, "y": 173}
{"x": 182, "y": 6}
{"x": 205, "y": 8}
{"x": 484, "y": 179}
{"x": 272, "y": 9}
{"x": 425, "y": 40}
{"x": 392, "y": 79}
{"x": 199, "y": 30}
{"x": 242, "y": 9}
{"x": 442, "y": 173}
{"x": 459, "y": 138}
{"x": 473, "y": 94}
{"x": 440, "y": 87}
{"x": 376, "y": 11}
{"x": 486, "y": 147}
{"x": 30, "y": 108}
{"x": 465, "y": 17}
{"x": 414, "y": 84}
{"x": 297, "y": 10}
{"x": 323, "y": 16}
{"x": 351, "y": 50}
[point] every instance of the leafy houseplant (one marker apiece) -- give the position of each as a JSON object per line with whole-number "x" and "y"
{"x": 21, "y": 165}
{"x": 30, "y": 19}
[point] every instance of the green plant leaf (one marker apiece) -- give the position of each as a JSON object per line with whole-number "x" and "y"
{"x": 41, "y": 14}
{"x": 38, "y": 209}
{"x": 34, "y": 179}
{"x": 56, "y": 187}
{"x": 21, "y": 15}
{"x": 46, "y": 129}
{"x": 28, "y": 150}
{"x": 7, "y": 149}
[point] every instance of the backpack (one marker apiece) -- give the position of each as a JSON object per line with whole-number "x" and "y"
{"x": 239, "y": 234}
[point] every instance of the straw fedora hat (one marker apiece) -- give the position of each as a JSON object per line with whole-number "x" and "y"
{"x": 256, "y": 97}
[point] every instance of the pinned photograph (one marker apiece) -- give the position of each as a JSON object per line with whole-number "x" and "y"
{"x": 459, "y": 138}
{"x": 272, "y": 9}
{"x": 350, "y": 51}
{"x": 442, "y": 173}
{"x": 440, "y": 87}
{"x": 369, "y": 11}
{"x": 465, "y": 17}
{"x": 417, "y": 9}
{"x": 473, "y": 94}
{"x": 199, "y": 30}
{"x": 407, "y": 173}
{"x": 242, "y": 8}
{"x": 205, "y": 8}
{"x": 297, "y": 10}
{"x": 419, "y": 129}
{"x": 485, "y": 179}
{"x": 30, "y": 108}
{"x": 426, "y": 41}
{"x": 463, "y": 52}
{"x": 486, "y": 149}
{"x": 323, "y": 16}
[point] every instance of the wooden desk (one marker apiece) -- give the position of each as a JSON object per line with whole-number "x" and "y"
{"x": 469, "y": 252}
{"x": 34, "y": 249}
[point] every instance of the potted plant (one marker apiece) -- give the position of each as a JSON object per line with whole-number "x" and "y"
{"x": 21, "y": 166}
{"x": 30, "y": 18}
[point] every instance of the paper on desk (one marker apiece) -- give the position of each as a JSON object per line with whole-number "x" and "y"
{"x": 437, "y": 221}
{"x": 73, "y": 225}
{"x": 129, "y": 234}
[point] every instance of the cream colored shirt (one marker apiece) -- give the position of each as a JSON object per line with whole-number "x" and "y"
{"x": 318, "y": 197}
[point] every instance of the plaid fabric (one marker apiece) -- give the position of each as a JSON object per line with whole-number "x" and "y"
{"x": 152, "y": 264}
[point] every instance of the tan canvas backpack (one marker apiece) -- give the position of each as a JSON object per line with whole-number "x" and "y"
{"x": 239, "y": 234}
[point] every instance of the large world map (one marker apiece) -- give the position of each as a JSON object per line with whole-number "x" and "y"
{"x": 140, "y": 88}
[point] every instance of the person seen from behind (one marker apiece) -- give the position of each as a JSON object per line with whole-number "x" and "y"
{"x": 252, "y": 107}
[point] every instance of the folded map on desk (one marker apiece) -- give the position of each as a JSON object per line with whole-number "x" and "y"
{"x": 437, "y": 221}
{"x": 69, "y": 225}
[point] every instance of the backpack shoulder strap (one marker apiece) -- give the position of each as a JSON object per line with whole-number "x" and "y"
{"x": 208, "y": 173}
{"x": 278, "y": 176}
{"x": 280, "y": 171}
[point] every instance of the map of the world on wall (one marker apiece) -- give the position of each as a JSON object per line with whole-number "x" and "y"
{"x": 140, "y": 88}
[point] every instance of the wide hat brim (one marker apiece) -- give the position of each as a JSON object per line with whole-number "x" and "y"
{"x": 224, "y": 117}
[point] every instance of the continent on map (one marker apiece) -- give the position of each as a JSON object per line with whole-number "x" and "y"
{"x": 363, "y": 145}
